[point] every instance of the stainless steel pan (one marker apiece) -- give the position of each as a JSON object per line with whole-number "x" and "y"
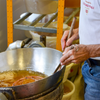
{"x": 44, "y": 60}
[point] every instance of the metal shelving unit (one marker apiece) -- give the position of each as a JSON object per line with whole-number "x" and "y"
{"x": 9, "y": 21}
{"x": 17, "y": 24}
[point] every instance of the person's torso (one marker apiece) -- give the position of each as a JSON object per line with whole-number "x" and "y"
{"x": 89, "y": 26}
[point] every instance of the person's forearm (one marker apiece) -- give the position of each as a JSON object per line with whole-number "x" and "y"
{"x": 94, "y": 50}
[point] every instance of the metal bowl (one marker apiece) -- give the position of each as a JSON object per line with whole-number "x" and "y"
{"x": 43, "y": 60}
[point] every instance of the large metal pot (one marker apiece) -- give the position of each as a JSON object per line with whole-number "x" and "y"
{"x": 44, "y": 60}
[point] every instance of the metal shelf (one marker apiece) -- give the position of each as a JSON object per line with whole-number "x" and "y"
{"x": 17, "y": 24}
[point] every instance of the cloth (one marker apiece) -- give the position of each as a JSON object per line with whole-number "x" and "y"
{"x": 89, "y": 26}
{"x": 79, "y": 84}
{"x": 92, "y": 81}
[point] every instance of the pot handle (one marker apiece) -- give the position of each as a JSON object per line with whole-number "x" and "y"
{"x": 7, "y": 93}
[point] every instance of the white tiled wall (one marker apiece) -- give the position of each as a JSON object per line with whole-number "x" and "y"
{"x": 18, "y": 9}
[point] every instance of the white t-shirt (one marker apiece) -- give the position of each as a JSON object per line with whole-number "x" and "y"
{"x": 89, "y": 26}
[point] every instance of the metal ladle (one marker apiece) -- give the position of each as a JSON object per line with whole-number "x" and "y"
{"x": 69, "y": 35}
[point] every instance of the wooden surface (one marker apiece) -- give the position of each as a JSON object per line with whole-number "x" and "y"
{"x": 72, "y": 3}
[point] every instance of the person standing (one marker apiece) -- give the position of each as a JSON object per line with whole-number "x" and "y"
{"x": 88, "y": 50}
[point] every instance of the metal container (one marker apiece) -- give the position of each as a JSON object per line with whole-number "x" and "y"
{"x": 41, "y": 6}
{"x": 43, "y": 60}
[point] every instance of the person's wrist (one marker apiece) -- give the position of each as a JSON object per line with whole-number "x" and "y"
{"x": 87, "y": 47}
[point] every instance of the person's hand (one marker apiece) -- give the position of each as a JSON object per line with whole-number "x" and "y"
{"x": 74, "y": 36}
{"x": 75, "y": 54}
